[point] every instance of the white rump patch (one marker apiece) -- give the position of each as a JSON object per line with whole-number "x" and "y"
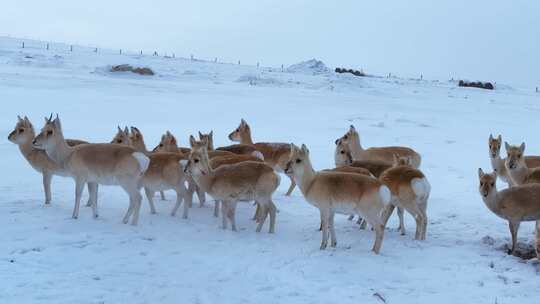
{"x": 143, "y": 161}
{"x": 386, "y": 195}
{"x": 258, "y": 154}
{"x": 421, "y": 187}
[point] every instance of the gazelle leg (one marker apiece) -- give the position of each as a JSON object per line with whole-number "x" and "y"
{"x": 292, "y": 186}
{"x": 150, "y": 197}
{"x": 79, "y": 184}
{"x": 325, "y": 218}
{"x": 401, "y": 227}
{"x": 514, "y": 227}
{"x": 47, "y": 178}
{"x": 92, "y": 198}
{"x": 333, "y": 240}
{"x": 162, "y": 195}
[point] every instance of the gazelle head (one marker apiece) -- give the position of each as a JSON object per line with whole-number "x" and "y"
{"x": 23, "y": 131}
{"x": 298, "y": 160}
{"x": 342, "y": 154}
{"x": 350, "y": 136}
{"x": 401, "y": 160}
{"x": 198, "y": 162}
{"x": 167, "y": 143}
{"x": 494, "y": 146}
{"x": 121, "y": 137}
{"x": 51, "y": 134}
{"x": 136, "y": 139}
{"x": 515, "y": 156}
{"x": 487, "y": 183}
{"x": 209, "y": 137}
{"x": 241, "y": 132}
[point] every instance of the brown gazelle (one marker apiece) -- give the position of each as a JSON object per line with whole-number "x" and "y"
{"x": 515, "y": 204}
{"x": 107, "y": 164}
{"x": 164, "y": 173}
{"x": 275, "y": 154}
{"x": 219, "y": 161}
{"x": 236, "y": 149}
{"x": 339, "y": 192}
{"x": 244, "y": 181}
{"x": 410, "y": 190}
{"x": 343, "y": 158}
{"x": 168, "y": 143}
{"x": 22, "y": 135}
{"x": 498, "y": 163}
{"x": 386, "y": 154}
{"x": 517, "y": 166}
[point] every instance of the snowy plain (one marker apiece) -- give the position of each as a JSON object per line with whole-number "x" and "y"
{"x": 47, "y": 257}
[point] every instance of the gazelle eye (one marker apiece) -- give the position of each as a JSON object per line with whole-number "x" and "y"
{"x": 492, "y": 184}
{"x": 342, "y": 152}
{"x": 481, "y": 184}
{"x": 21, "y": 130}
{"x": 298, "y": 160}
{"x": 345, "y": 137}
{"x": 238, "y": 130}
{"x": 196, "y": 160}
{"x": 119, "y": 141}
{"x": 519, "y": 155}
{"x": 161, "y": 145}
{"x": 49, "y": 132}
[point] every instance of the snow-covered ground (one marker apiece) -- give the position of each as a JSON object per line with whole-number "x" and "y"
{"x": 47, "y": 257}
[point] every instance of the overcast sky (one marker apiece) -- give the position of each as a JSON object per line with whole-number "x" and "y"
{"x": 497, "y": 40}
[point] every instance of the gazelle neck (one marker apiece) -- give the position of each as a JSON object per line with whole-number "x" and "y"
{"x": 491, "y": 201}
{"x": 356, "y": 148}
{"x": 59, "y": 152}
{"x": 305, "y": 179}
{"x": 26, "y": 147}
{"x": 245, "y": 138}
{"x": 519, "y": 174}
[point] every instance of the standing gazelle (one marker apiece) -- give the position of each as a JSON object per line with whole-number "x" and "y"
{"x": 517, "y": 167}
{"x": 498, "y": 163}
{"x": 106, "y": 164}
{"x": 275, "y": 154}
{"x": 516, "y": 204}
{"x": 22, "y": 135}
{"x": 386, "y": 154}
{"x": 244, "y": 181}
{"x": 339, "y": 192}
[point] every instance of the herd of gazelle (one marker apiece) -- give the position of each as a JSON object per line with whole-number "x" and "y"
{"x": 370, "y": 182}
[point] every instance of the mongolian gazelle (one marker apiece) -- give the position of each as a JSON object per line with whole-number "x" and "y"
{"x": 515, "y": 204}
{"x": 107, "y": 164}
{"x": 22, "y": 135}
{"x": 517, "y": 166}
{"x": 498, "y": 163}
{"x": 386, "y": 154}
{"x": 236, "y": 149}
{"x": 339, "y": 192}
{"x": 244, "y": 181}
{"x": 164, "y": 172}
{"x": 275, "y": 154}
{"x": 410, "y": 191}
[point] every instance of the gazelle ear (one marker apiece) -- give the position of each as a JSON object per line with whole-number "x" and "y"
{"x": 211, "y": 134}
{"x": 19, "y": 118}
{"x": 168, "y": 133}
{"x": 522, "y": 147}
{"x": 490, "y": 137}
{"x": 57, "y": 123}
{"x": 192, "y": 141}
{"x": 506, "y": 146}
{"x": 499, "y": 138}
{"x": 119, "y": 129}
{"x": 480, "y": 172}
{"x": 352, "y": 128}
{"x": 200, "y": 135}
{"x": 304, "y": 149}
{"x": 27, "y": 121}
{"x": 126, "y": 130}
{"x": 242, "y": 122}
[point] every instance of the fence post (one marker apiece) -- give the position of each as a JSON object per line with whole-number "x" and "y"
{"x": 23, "y": 45}
{"x": 421, "y": 77}
{"x": 282, "y": 67}
{"x": 215, "y": 59}
{"x": 536, "y": 89}
{"x": 120, "y": 51}
{"x": 238, "y": 62}
{"x": 141, "y": 52}
{"x": 71, "y": 48}
{"x": 47, "y": 46}
{"x": 95, "y": 50}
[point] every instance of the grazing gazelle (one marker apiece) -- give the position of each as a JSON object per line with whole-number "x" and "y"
{"x": 339, "y": 192}
{"x": 517, "y": 166}
{"x": 497, "y": 163}
{"x": 22, "y": 135}
{"x": 410, "y": 191}
{"x": 386, "y": 154}
{"x": 275, "y": 154}
{"x": 515, "y": 204}
{"x": 244, "y": 181}
{"x": 106, "y": 164}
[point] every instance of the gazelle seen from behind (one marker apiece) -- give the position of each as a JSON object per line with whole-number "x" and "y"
{"x": 515, "y": 204}
{"x": 339, "y": 192}
{"x": 107, "y": 164}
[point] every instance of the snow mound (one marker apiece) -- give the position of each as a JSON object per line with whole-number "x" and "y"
{"x": 253, "y": 79}
{"x": 312, "y": 67}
